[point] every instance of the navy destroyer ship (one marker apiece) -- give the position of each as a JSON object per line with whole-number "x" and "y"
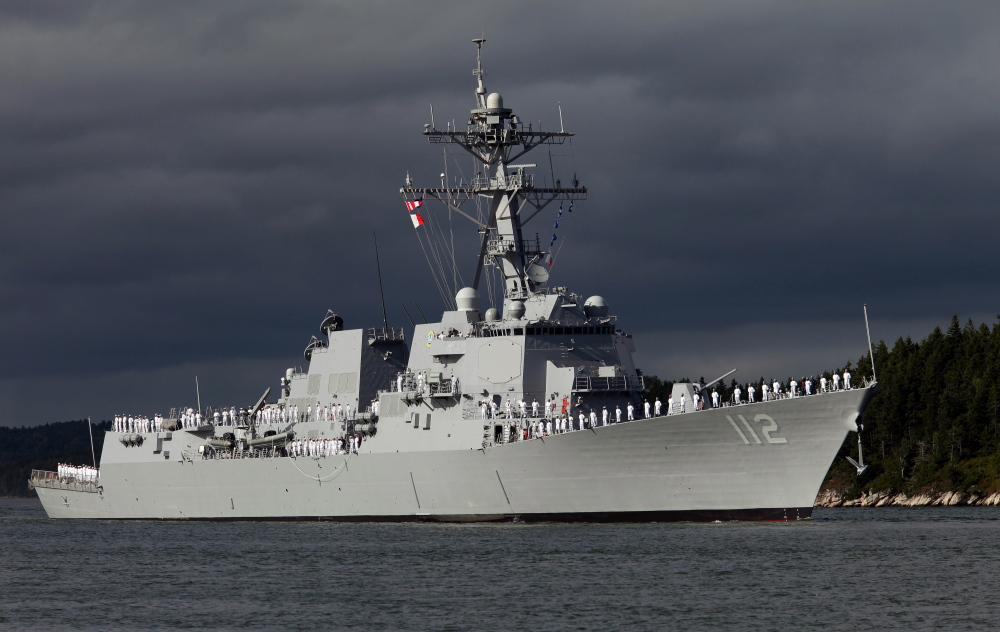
{"x": 491, "y": 413}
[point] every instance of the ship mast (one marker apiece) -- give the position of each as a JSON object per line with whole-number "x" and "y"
{"x": 496, "y": 137}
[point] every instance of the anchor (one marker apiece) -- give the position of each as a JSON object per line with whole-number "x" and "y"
{"x": 860, "y": 463}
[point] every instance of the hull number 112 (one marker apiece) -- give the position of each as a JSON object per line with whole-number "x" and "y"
{"x": 767, "y": 428}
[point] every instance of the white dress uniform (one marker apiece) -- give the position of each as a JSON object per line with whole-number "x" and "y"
{"x": 618, "y": 414}
{"x": 750, "y": 392}
{"x": 715, "y": 399}
{"x": 645, "y": 409}
{"x": 604, "y": 416}
{"x": 737, "y": 393}
{"x": 822, "y": 384}
{"x": 836, "y": 381}
{"x": 631, "y": 411}
{"x": 847, "y": 380}
{"x": 670, "y": 405}
{"x": 683, "y": 403}
{"x": 657, "y": 407}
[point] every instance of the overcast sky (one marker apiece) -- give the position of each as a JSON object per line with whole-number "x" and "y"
{"x": 186, "y": 187}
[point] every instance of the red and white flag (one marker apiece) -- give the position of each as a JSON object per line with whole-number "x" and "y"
{"x": 414, "y": 215}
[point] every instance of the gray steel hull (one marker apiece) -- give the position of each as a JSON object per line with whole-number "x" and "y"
{"x": 718, "y": 464}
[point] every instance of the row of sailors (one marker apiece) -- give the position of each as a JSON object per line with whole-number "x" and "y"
{"x": 285, "y": 414}
{"x": 489, "y": 408}
{"x": 333, "y": 412}
{"x": 775, "y": 391}
{"x": 563, "y": 424}
{"x": 231, "y": 417}
{"x": 324, "y": 447}
{"x": 137, "y": 423}
{"x": 77, "y": 473}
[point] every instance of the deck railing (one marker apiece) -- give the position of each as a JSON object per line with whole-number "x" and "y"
{"x": 51, "y": 480}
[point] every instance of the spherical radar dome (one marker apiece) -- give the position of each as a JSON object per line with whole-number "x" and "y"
{"x": 467, "y": 300}
{"x": 596, "y": 307}
{"x": 516, "y": 310}
{"x": 494, "y": 101}
{"x": 492, "y": 315}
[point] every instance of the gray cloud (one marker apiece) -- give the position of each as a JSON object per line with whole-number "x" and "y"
{"x": 187, "y": 187}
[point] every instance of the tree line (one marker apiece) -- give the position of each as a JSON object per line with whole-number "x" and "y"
{"x": 42, "y": 448}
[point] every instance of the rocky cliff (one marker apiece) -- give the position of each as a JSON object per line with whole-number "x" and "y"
{"x": 931, "y": 498}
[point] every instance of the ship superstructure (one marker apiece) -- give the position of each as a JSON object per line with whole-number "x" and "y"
{"x": 507, "y": 413}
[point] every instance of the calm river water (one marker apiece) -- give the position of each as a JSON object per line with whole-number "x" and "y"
{"x": 847, "y": 569}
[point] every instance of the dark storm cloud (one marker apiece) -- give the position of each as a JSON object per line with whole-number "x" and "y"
{"x": 187, "y": 187}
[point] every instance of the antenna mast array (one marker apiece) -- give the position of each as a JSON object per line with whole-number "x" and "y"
{"x": 496, "y": 137}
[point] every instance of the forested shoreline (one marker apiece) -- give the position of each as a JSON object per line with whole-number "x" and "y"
{"x": 42, "y": 448}
{"x": 931, "y": 434}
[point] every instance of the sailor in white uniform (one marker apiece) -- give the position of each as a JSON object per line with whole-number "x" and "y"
{"x": 618, "y": 414}
{"x": 534, "y": 408}
{"x": 593, "y": 418}
{"x": 847, "y": 380}
{"x": 631, "y": 411}
{"x": 836, "y": 381}
{"x": 750, "y": 393}
{"x": 715, "y": 398}
{"x": 683, "y": 403}
{"x": 604, "y": 416}
{"x": 645, "y": 409}
{"x": 582, "y": 423}
{"x": 822, "y": 384}
{"x": 657, "y": 407}
{"x": 736, "y": 395}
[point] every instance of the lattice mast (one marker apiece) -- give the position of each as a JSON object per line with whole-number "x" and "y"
{"x": 496, "y": 137}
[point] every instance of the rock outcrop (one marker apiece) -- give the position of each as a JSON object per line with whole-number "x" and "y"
{"x": 888, "y": 498}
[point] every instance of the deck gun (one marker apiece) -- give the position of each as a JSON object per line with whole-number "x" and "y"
{"x": 703, "y": 388}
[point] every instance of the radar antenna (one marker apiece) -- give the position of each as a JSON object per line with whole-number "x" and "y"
{"x": 496, "y": 137}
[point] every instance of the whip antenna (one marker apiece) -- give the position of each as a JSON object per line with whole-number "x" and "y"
{"x": 93, "y": 455}
{"x": 869, "y": 332}
{"x": 378, "y": 266}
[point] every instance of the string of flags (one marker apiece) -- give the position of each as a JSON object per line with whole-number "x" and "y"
{"x": 548, "y": 257}
{"x": 415, "y": 217}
